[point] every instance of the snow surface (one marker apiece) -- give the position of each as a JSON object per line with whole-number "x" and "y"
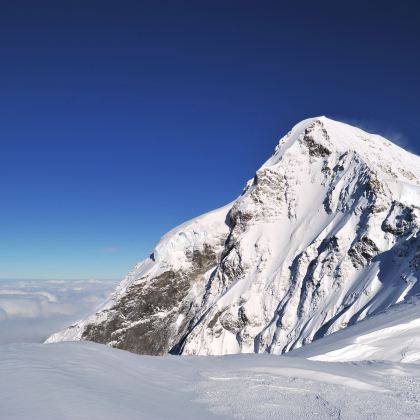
{"x": 88, "y": 381}
{"x": 392, "y": 335}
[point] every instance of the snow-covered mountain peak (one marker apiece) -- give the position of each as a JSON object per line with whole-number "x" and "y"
{"x": 322, "y": 136}
{"x": 323, "y": 235}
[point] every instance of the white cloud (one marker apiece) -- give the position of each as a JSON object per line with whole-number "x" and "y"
{"x": 32, "y": 310}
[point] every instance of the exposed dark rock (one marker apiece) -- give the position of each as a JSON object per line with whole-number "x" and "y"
{"x": 135, "y": 322}
{"x": 232, "y": 323}
{"x": 363, "y": 252}
{"x": 400, "y": 220}
{"x": 315, "y": 149}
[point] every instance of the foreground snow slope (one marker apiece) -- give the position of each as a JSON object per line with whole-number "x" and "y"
{"x": 391, "y": 335}
{"x": 323, "y": 236}
{"x": 88, "y": 381}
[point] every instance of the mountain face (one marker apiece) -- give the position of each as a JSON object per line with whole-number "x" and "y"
{"x": 324, "y": 235}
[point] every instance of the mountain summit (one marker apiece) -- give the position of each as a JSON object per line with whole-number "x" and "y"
{"x": 324, "y": 235}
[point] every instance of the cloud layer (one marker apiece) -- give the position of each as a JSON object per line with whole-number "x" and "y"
{"x": 32, "y": 310}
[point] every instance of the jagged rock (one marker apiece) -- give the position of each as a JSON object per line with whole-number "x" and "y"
{"x": 362, "y": 252}
{"x": 401, "y": 219}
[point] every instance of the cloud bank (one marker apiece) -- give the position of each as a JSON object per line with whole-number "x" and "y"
{"x": 32, "y": 310}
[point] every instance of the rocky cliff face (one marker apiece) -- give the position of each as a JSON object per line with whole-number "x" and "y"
{"x": 324, "y": 235}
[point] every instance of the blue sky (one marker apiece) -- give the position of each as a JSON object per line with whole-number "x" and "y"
{"x": 120, "y": 120}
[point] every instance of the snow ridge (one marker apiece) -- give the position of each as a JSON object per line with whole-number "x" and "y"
{"x": 324, "y": 235}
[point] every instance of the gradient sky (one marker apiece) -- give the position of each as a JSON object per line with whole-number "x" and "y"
{"x": 122, "y": 119}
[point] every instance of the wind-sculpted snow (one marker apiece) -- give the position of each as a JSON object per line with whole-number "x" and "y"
{"x": 392, "y": 335}
{"x": 88, "y": 381}
{"x": 324, "y": 235}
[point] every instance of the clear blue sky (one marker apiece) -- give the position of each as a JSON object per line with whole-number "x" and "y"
{"x": 119, "y": 120}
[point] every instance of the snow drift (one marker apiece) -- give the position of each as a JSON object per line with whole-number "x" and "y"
{"x": 323, "y": 236}
{"x": 89, "y": 381}
{"x": 392, "y": 335}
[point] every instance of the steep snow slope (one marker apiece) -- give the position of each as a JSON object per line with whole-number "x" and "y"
{"x": 324, "y": 235}
{"x": 393, "y": 335}
{"x": 88, "y": 381}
